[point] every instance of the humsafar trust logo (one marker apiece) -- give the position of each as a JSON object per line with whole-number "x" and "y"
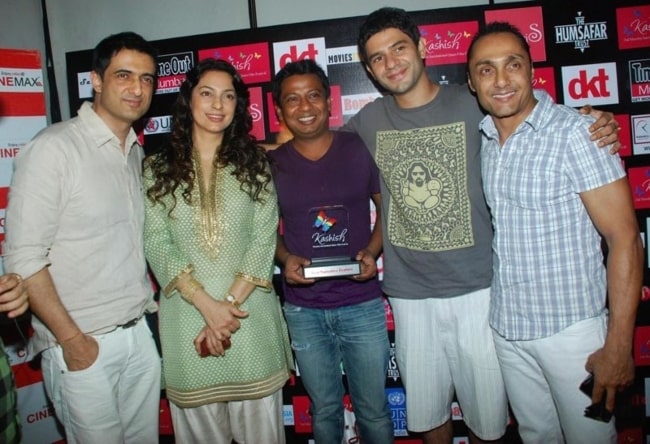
{"x": 594, "y": 84}
{"x": 21, "y": 80}
{"x": 157, "y": 125}
{"x": 172, "y": 70}
{"x": 581, "y": 32}
{"x": 633, "y": 26}
{"x": 447, "y": 43}
{"x": 640, "y": 80}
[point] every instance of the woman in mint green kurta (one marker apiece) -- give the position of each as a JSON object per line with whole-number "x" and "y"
{"x": 210, "y": 231}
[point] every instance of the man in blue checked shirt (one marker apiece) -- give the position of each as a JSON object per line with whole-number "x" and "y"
{"x": 553, "y": 195}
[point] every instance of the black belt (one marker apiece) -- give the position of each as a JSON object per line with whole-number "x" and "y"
{"x": 129, "y": 324}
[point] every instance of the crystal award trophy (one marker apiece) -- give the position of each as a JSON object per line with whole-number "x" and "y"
{"x": 330, "y": 237}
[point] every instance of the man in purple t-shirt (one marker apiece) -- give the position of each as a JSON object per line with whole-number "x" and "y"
{"x": 324, "y": 181}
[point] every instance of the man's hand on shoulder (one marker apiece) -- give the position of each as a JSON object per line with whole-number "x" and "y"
{"x": 605, "y": 129}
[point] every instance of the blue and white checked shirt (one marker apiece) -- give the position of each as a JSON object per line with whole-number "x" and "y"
{"x": 548, "y": 262}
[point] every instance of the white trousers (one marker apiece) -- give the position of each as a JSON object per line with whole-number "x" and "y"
{"x": 253, "y": 421}
{"x": 116, "y": 399}
{"x": 542, "y": 378}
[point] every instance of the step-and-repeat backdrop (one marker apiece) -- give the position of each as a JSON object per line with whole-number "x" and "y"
{"x": 583, "y": 54}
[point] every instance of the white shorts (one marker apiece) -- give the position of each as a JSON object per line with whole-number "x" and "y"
{"x": 445, "y": 346}
{"x": 543, "y": 378}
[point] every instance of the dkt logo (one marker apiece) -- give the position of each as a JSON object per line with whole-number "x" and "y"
{"x": 595, "y": 84}
{"x": 295, "y": 50}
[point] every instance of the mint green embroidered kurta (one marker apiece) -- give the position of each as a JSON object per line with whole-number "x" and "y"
{"x": 259, "y": 360}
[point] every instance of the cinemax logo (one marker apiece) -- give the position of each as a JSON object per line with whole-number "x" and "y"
{"x": 158, "y": 125}
{"x": 581, "y": 33}
{"x": 21, "y": 80}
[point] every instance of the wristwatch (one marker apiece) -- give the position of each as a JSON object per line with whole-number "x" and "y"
{"x": 232, "y": 300}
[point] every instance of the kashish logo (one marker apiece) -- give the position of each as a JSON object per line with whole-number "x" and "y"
{"x": 21, "y": 80}
{"x": 633, "y": 25}
{"x": 251, "y": 60}
{"x": 295, "y": 50}
{"x": 640, "y": 80}
{"x": 172, "y": 70}
{"x": 639, "y": 179}
{"x": 581, "y": 33}
{"x": 642, "y": 345}
{"x": 447, "y": 43}
{"x": 158, "y": 125}
{"x": 594, "y": 84}
{"x": 544, "y": 78}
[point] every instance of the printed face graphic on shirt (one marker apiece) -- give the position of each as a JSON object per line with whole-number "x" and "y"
{"x": 426, "y": 174}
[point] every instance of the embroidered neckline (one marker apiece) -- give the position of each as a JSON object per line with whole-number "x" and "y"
{"x": 208, "y": 215}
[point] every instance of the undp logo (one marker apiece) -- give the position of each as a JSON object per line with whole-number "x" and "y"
{"x": 396, "y": 398}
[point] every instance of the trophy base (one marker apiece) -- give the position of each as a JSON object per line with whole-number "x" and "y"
{"x": 330, "y": 267}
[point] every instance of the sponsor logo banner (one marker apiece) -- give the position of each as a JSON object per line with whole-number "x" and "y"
{"x": 16, "y": 80}
{"x": 642, "y": 345}
{"x": 580, "y": 33}
{"x": 84, "y": 85}
{"x": 633, "y": 24}
{"x": 624, "y": 134}
{"x": 256, "y": 108}
{"x": 157, "y": 125}
{"x": 530, "y": 22}
{"x": 544, "y": 78}
{"x": 447, "y": 43}
{"x": 295, "y": 50}
{"x": 392, "y": 372}
{"x": 594, "y": 84}
{"x": 344, "y": 54}
{"x": 352, "y": 103}
{"x": 301, "y": 416}
{"x": 639, "y": 178}
{"x": 639, "y": 80}
{"x": 251, "y": 60}
{"x": 397, "y": 404}
{"x": 640, "y": 126}
{"x": 172, "y": 70}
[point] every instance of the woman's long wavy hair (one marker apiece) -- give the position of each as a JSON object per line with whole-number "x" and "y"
{"x": 172, "y": 167}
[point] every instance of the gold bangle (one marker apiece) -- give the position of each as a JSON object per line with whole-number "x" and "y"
{"x": 232, "y": 300}
{"x": 189, "y": 289}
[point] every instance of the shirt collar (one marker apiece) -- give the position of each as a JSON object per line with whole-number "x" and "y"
{"x": 535, "y": 119}
{"x": 100, "y": 132}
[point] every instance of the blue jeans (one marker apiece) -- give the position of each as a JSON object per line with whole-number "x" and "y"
{"x": 357, "y": 336}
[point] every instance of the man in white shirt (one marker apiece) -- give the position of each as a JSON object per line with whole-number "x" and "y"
{"x": 74, "y": 227}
